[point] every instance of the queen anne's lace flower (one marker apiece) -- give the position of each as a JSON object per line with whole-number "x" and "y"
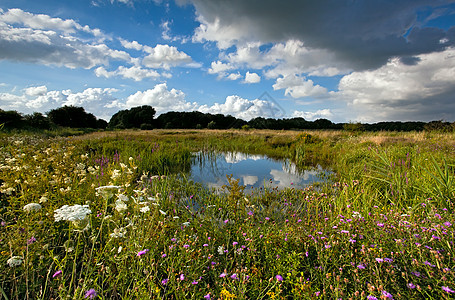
{"x": 14, "y": 261}
{"x": 32, "y": 207}
{"x": 72, "y": 213}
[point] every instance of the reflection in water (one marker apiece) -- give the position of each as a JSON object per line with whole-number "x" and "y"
{"x": 254, "y": 171}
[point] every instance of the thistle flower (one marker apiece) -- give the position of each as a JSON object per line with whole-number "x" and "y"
{"x": 91, "y": 293}
{"x": 32, "y": 207}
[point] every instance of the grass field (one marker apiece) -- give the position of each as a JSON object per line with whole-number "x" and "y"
{"x": 109, "y": 215}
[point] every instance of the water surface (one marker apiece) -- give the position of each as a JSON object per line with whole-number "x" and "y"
{"x": 254, "y": 171}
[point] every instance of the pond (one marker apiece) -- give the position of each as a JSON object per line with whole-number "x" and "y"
{"x": 254, "y": 171}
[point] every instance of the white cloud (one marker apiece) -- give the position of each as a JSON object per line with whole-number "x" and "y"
{"x": 162, "y": 99}
{"x": 131, "y": 45}
{"x": 136, "y": 73}
{"x": 36, "y": 90}
{"x": 243, "y": 108}
{"x": 234, "y": 76}
{"x": 219, "y": 67}
{"x": 399, "y": 91}
{"x": 310, "y": 116}
{"x": 164, "y": 56}
{"x": 252, "y": 78}
{"x": 52, "y": 41}
{"x": 298, "y": 87}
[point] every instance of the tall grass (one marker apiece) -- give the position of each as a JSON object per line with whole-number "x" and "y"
{"x": 379, "y": 230}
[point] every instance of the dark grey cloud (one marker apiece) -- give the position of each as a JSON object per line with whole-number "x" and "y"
{"x": 363, "y": 33}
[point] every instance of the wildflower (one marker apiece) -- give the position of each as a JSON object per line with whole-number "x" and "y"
{"x": 234, "y": 276}
{"x": 205, "y": 245}
{"x": 250, "y": 213}
{"x": 387, "y": 295}
{"x": 57, "y": 274}
{"x": 380, "y": 224}
{"x": 279, "y": 278}
{"x": 72, "y": 213}
{"x": 448, "y": 224}
{"x": 194, "y": 282}
{"x": 142, "y": 252}
{"x": 186, "y": 246}
{"x": 164, "y": 255}
{"x": 220, "y": 250}
{"x": 145, "y": 209}
{"x": 14, "y": 261}
{"x": 379, "y": 260}
{"x": 360, "y": 266}
{"x": 222, "y": 275}
{"x": 182, "y": 277}
{"x": 32, "y": 207}
{"x": 207, "y": 296}
{"x": 352, "y": 241}
{"x": 91, "y": 293}
{"x": 162, "y": 212}
{"x": 234, "y": 243}
{"x": 164, "y": 281}
{"x": 447, "y": 289}
{"x": 120, "y": 206}
{"x": 31, "y": 240}
{"x": 371, "y": 297}
{"x": 411, "y": 285}
{"x": 389, "y": 260}
{"x": 344, "y": 231}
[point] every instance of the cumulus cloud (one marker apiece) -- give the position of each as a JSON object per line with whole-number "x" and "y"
{"x": 243, "y": 108}
{"x": 363, "y": 34}
{"x": 40, "y": 99}
{"x": 165, "y": 56}
{"x": 234, "y": 76}
{"x": 162, "y": 99}
{"x": 136, "y": 73}
{"x": 52, "y": 41}
{"x": 298, "y": 87}
{"x": 252, "y": 78}
{"x": 218, "y": 67}
{"x": 401, "y": 91}
{"x": 311, "y": 116}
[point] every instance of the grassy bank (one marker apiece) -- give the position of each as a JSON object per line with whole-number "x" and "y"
{"x": 382, "y": 229}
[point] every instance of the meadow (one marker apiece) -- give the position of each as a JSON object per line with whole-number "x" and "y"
{"x": 111, "y": 215}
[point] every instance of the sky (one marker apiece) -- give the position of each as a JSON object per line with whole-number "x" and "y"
{"x": 344, "y": 60}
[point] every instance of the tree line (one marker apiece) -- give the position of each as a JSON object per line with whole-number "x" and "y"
{"x": 143, "y": 117}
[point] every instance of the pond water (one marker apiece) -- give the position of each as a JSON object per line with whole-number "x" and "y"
{"x": 254, "y": 171}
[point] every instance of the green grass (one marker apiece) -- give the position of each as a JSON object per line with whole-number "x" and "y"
{"x": 384, "y": 225}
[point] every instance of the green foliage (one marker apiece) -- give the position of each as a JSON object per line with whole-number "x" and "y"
{"x": 73, "y": 116}
{"x": 133, "y": 118}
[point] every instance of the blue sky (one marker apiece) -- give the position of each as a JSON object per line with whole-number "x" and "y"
{"x": 343, "y": 60}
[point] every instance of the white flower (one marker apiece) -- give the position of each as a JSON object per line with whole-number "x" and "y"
{"x": 118, "y": 233}
{"x": 32, "y": 207}
{"x": 123, "y": 197}
{"x": 186, "y": 224}
{"x": 72, "y": 213}
{"x": 120, "y": 206}
{"x": 108, "y": 187}
{"x": 43, "y": 199}
{"x": 145, "y": 209}
{"x": 162, "y": 212}
{"x": 220, "y": 250}
{"x": 14, "y": 261}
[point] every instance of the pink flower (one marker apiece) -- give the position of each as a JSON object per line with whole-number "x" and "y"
{"x": 279, "y": 278}
{"x": 142, "y": 252}
{"x": 91, "y": 293}
{"x": 447, "y": 289}
{"x": 57, "y": 274}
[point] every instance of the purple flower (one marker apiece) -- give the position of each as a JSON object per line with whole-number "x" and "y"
{"x": 448, "y": 224}
{"x": 279, "y": 277}
{"x": 387, "y": 294}
{"x": 267, "y": 218}
{"x": 142, "y": 252}
{"x": 416, "y": 274}
{"x": 186, "y": 246}
{"x": 372, "y": 298}
{"x": 91, "y": 293}
{"x": 194, "y": 282}
{"x": 205, "y": 245}
{"x": 360, "y": 266}
{"x": 164, "y": 281}
{"x": 317, "y": 294}
{"x": 250, "y": 213}
{"x": 447, "y": 289}
{"x": 207, "y": 296}
{"x": 234, "y": 276}
{"x": 234, "y": 243}
{"x": 429, "y": 264}
{"x": 344, "y": 231}
{"x": 379, "y": 260}
{"x": 31, "y": 240}
{"x": 411, "y": 285}
{"x": 223, "y": 275}
{"x": 380, "y": 224}
{"x": 352, "y": 241}
{"x": 182, "y": 277}
{"x": 57, "y": 274}
{"x": 389, "y": 260}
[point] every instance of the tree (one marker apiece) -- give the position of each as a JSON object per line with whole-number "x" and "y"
{"x": 11, "y": 119}
{"x": 136, "y": 117}
{"x": 38, "y": 121}
{"x": 72, "y": 116}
